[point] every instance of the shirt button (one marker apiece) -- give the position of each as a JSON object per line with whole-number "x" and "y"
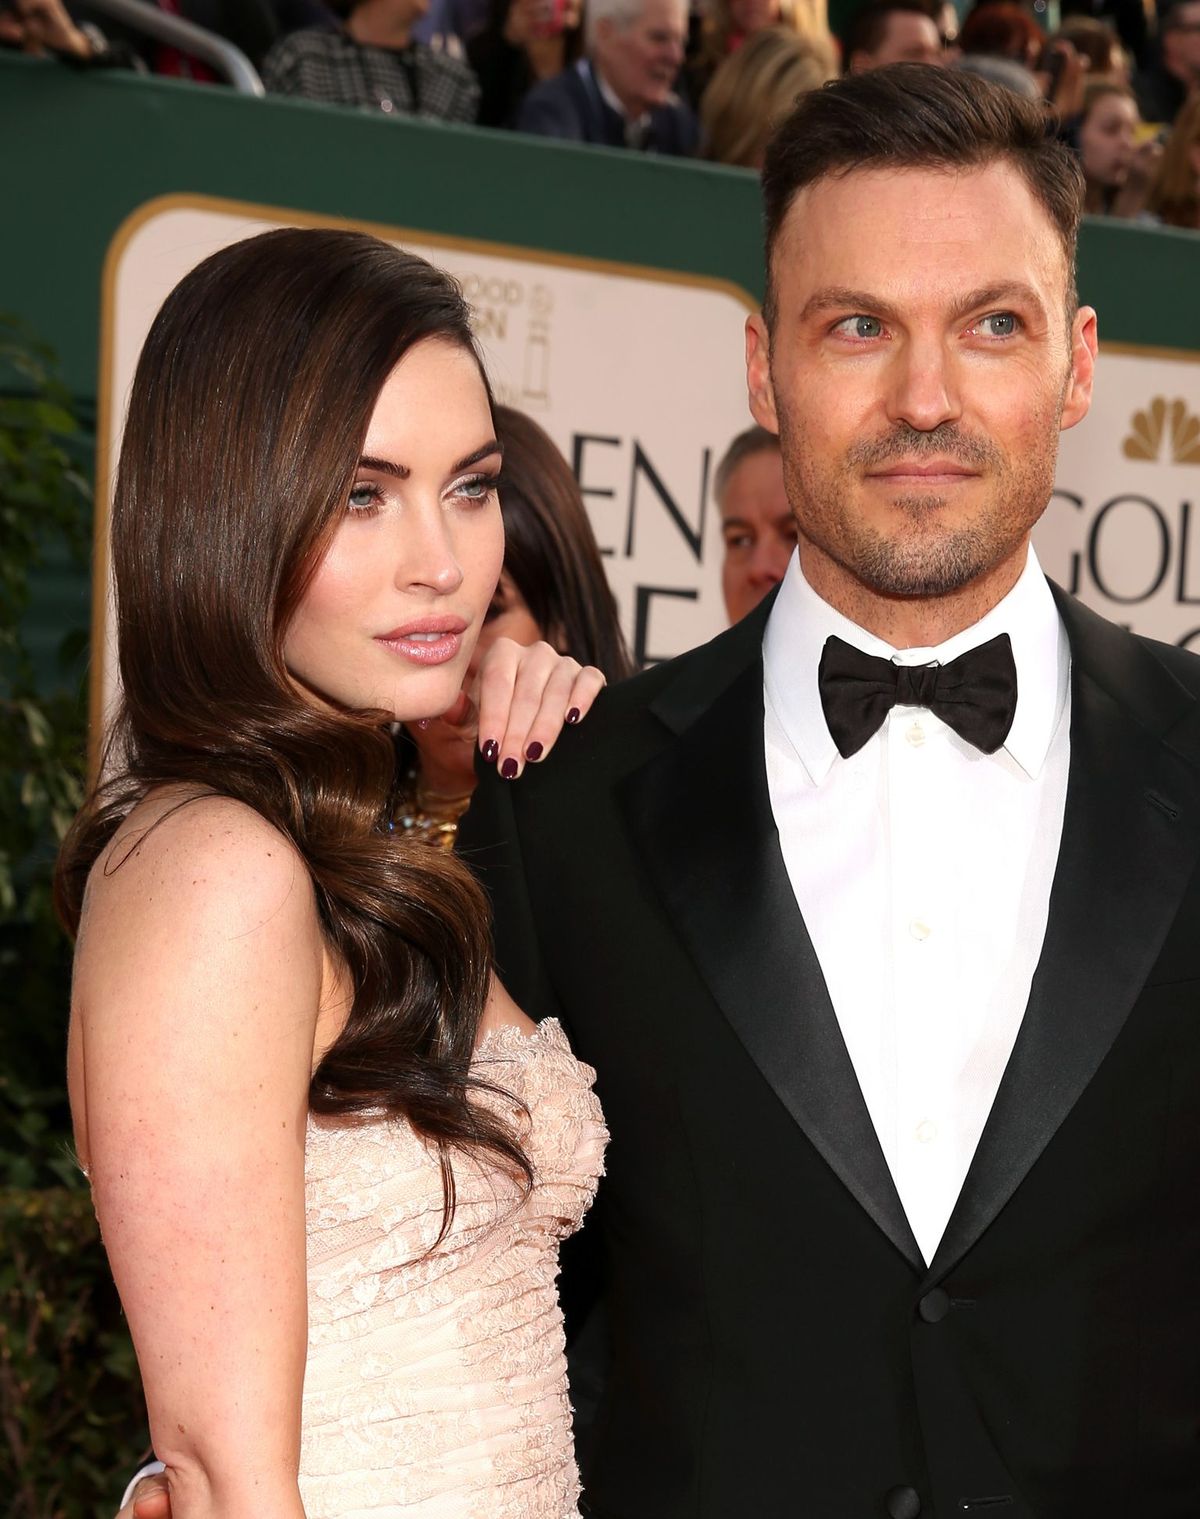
{"x": 902, "y": 1503}
{"x": 915, "y": 734}
{"x": 919, "y": 929}
{"x": 926, "y": 1131}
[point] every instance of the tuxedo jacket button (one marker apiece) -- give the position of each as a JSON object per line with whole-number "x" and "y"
{"x": 901, "y": 1503}
{"x": 934, "y": 1306}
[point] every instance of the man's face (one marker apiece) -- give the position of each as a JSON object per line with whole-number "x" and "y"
{"x": 909, "y": 37}
{"x": 919, "y": 371}
{"x": 640, "y": 61}
{"x": 759, "y": 533}
{"x": 1181, "y": 41}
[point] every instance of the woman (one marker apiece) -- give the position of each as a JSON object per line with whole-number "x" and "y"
{"x": 552, "y": 587}
{"x": 522, "y": 43}
{"x": 1116, "y": 170}
{"x": 730, "y": 24}
{"x": 753, "y": 90}
{"x": 1174, "y": 196}
{"x": 330, "y": 1159}
{"x": 1099, "y": 44}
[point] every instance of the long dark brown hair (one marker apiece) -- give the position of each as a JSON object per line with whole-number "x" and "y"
{"x": 247, "y": 418}
{"x": 550, "y": 550}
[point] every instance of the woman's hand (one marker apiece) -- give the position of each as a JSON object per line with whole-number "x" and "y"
{"x": 520, "y": 699}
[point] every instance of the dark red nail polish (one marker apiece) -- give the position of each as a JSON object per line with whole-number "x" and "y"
{"x": 574, "y": 715}
{"x": 534, "y": 752}
{"x": 490, "y": 750}
{"x": 509, "y": 769}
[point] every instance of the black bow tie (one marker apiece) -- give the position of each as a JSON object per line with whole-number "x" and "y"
{"x": 975, "y": 694}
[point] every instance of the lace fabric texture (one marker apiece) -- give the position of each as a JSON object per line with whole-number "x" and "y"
{"x": 435, "y": 1386}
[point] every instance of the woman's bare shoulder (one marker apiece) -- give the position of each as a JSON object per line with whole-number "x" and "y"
{"x": 183, "y": 856}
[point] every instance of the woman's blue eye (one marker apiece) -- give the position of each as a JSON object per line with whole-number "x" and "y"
{"x": 475, "y": 487}
{"x": 364, "y": 496}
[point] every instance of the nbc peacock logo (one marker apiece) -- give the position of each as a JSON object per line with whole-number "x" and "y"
{"x": 1166, "y": 430}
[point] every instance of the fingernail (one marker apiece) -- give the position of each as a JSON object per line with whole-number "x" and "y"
{"x": 574, "y": 715}
{"x": 490, "y": 750}
{"x": 534, "y": 752}
{"x": 509, "y": 769}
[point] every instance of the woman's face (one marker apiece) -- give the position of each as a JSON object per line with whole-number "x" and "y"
{"x": 391, "y": 618}
{"x": 1106, "y": 140}
{"x": 448, "y": 753}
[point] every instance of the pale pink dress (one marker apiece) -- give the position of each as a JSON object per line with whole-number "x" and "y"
{"x": 435, "y": 1386}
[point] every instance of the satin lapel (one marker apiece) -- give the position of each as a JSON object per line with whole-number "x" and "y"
{"x": 701, "y": 815}
{"x": 1130, "y": 842}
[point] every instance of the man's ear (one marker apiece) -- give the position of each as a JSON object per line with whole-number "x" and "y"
{"x": 1084, "y": 343}
{"x": 758, "y": 374}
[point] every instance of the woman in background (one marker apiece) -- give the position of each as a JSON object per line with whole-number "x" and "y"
{"x": 1117, "y": 171}
{"x": 729, "y": 24}
{"x": 552, "y": 587}
{"x": 522, "y": 43}
{"x": 753, "y": 90}
{"x": 1174, "y": 196}
{"x": 331, "y": 1160}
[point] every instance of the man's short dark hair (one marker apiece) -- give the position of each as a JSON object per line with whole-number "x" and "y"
{"x": 755, "y": 440}
{"x": 915, "y": 116}
{"x": 868, "y": 26}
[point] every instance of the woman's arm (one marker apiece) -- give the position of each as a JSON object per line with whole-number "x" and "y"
{"x": 197, "y": 990}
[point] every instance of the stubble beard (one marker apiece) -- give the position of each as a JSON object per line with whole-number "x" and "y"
{"x": 922, "y": 557}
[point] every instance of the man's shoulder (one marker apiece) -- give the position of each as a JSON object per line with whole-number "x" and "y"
{"x": 1144, "y": 673}
{"x": 637, "y": 716}
{"x": 308, "y": 42}
{"x": 1183, "y": 664}
{"x": 561, "y": 96}
{"x": 676, "y": 124}
{"x": 438, "y": 61}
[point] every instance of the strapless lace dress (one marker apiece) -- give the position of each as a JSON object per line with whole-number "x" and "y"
{"x": 435, "y": 1386}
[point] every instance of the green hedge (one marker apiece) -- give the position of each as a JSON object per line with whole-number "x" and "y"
{"x": 72, "y": 1424}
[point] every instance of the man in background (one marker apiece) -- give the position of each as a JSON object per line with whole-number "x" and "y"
{"x": 757, "y": 525}
{"x": 621, "y": 93}
{"x": 893, "y": 31}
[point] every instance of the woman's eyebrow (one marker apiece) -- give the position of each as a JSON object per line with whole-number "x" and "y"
{"x": 402, "y": 471}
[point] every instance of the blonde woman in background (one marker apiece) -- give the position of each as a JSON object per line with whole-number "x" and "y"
{"x": 729, "y": 24}
{"x": 754, "y": 89}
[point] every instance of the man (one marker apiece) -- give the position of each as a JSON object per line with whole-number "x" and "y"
{"x": 892, "y": 31}
{"x": 893, "y": 1007}
{"x": 757, "y": 526}
{"x": 1174, "y": 76}
{"x": 621, "y": 93}
{"x": 374, "y": 61}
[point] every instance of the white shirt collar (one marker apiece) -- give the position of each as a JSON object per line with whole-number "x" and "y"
{"x": 612, "y": 100}
{"x": 801, "y": 621}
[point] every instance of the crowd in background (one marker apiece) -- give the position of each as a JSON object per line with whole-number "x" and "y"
{"x": 1120, "y": 79}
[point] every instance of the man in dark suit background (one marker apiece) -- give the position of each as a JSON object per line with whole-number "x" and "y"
{"x": 620, "y": 94}
{"x": 878, "y": 916}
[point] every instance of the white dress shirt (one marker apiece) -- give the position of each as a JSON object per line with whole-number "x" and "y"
{"x": 922, "y": 869}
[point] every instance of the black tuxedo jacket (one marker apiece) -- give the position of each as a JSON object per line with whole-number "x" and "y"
{"x": 780, "y": 1348}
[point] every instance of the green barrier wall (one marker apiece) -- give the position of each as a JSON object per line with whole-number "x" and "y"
{"x": 81, "y": 151}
